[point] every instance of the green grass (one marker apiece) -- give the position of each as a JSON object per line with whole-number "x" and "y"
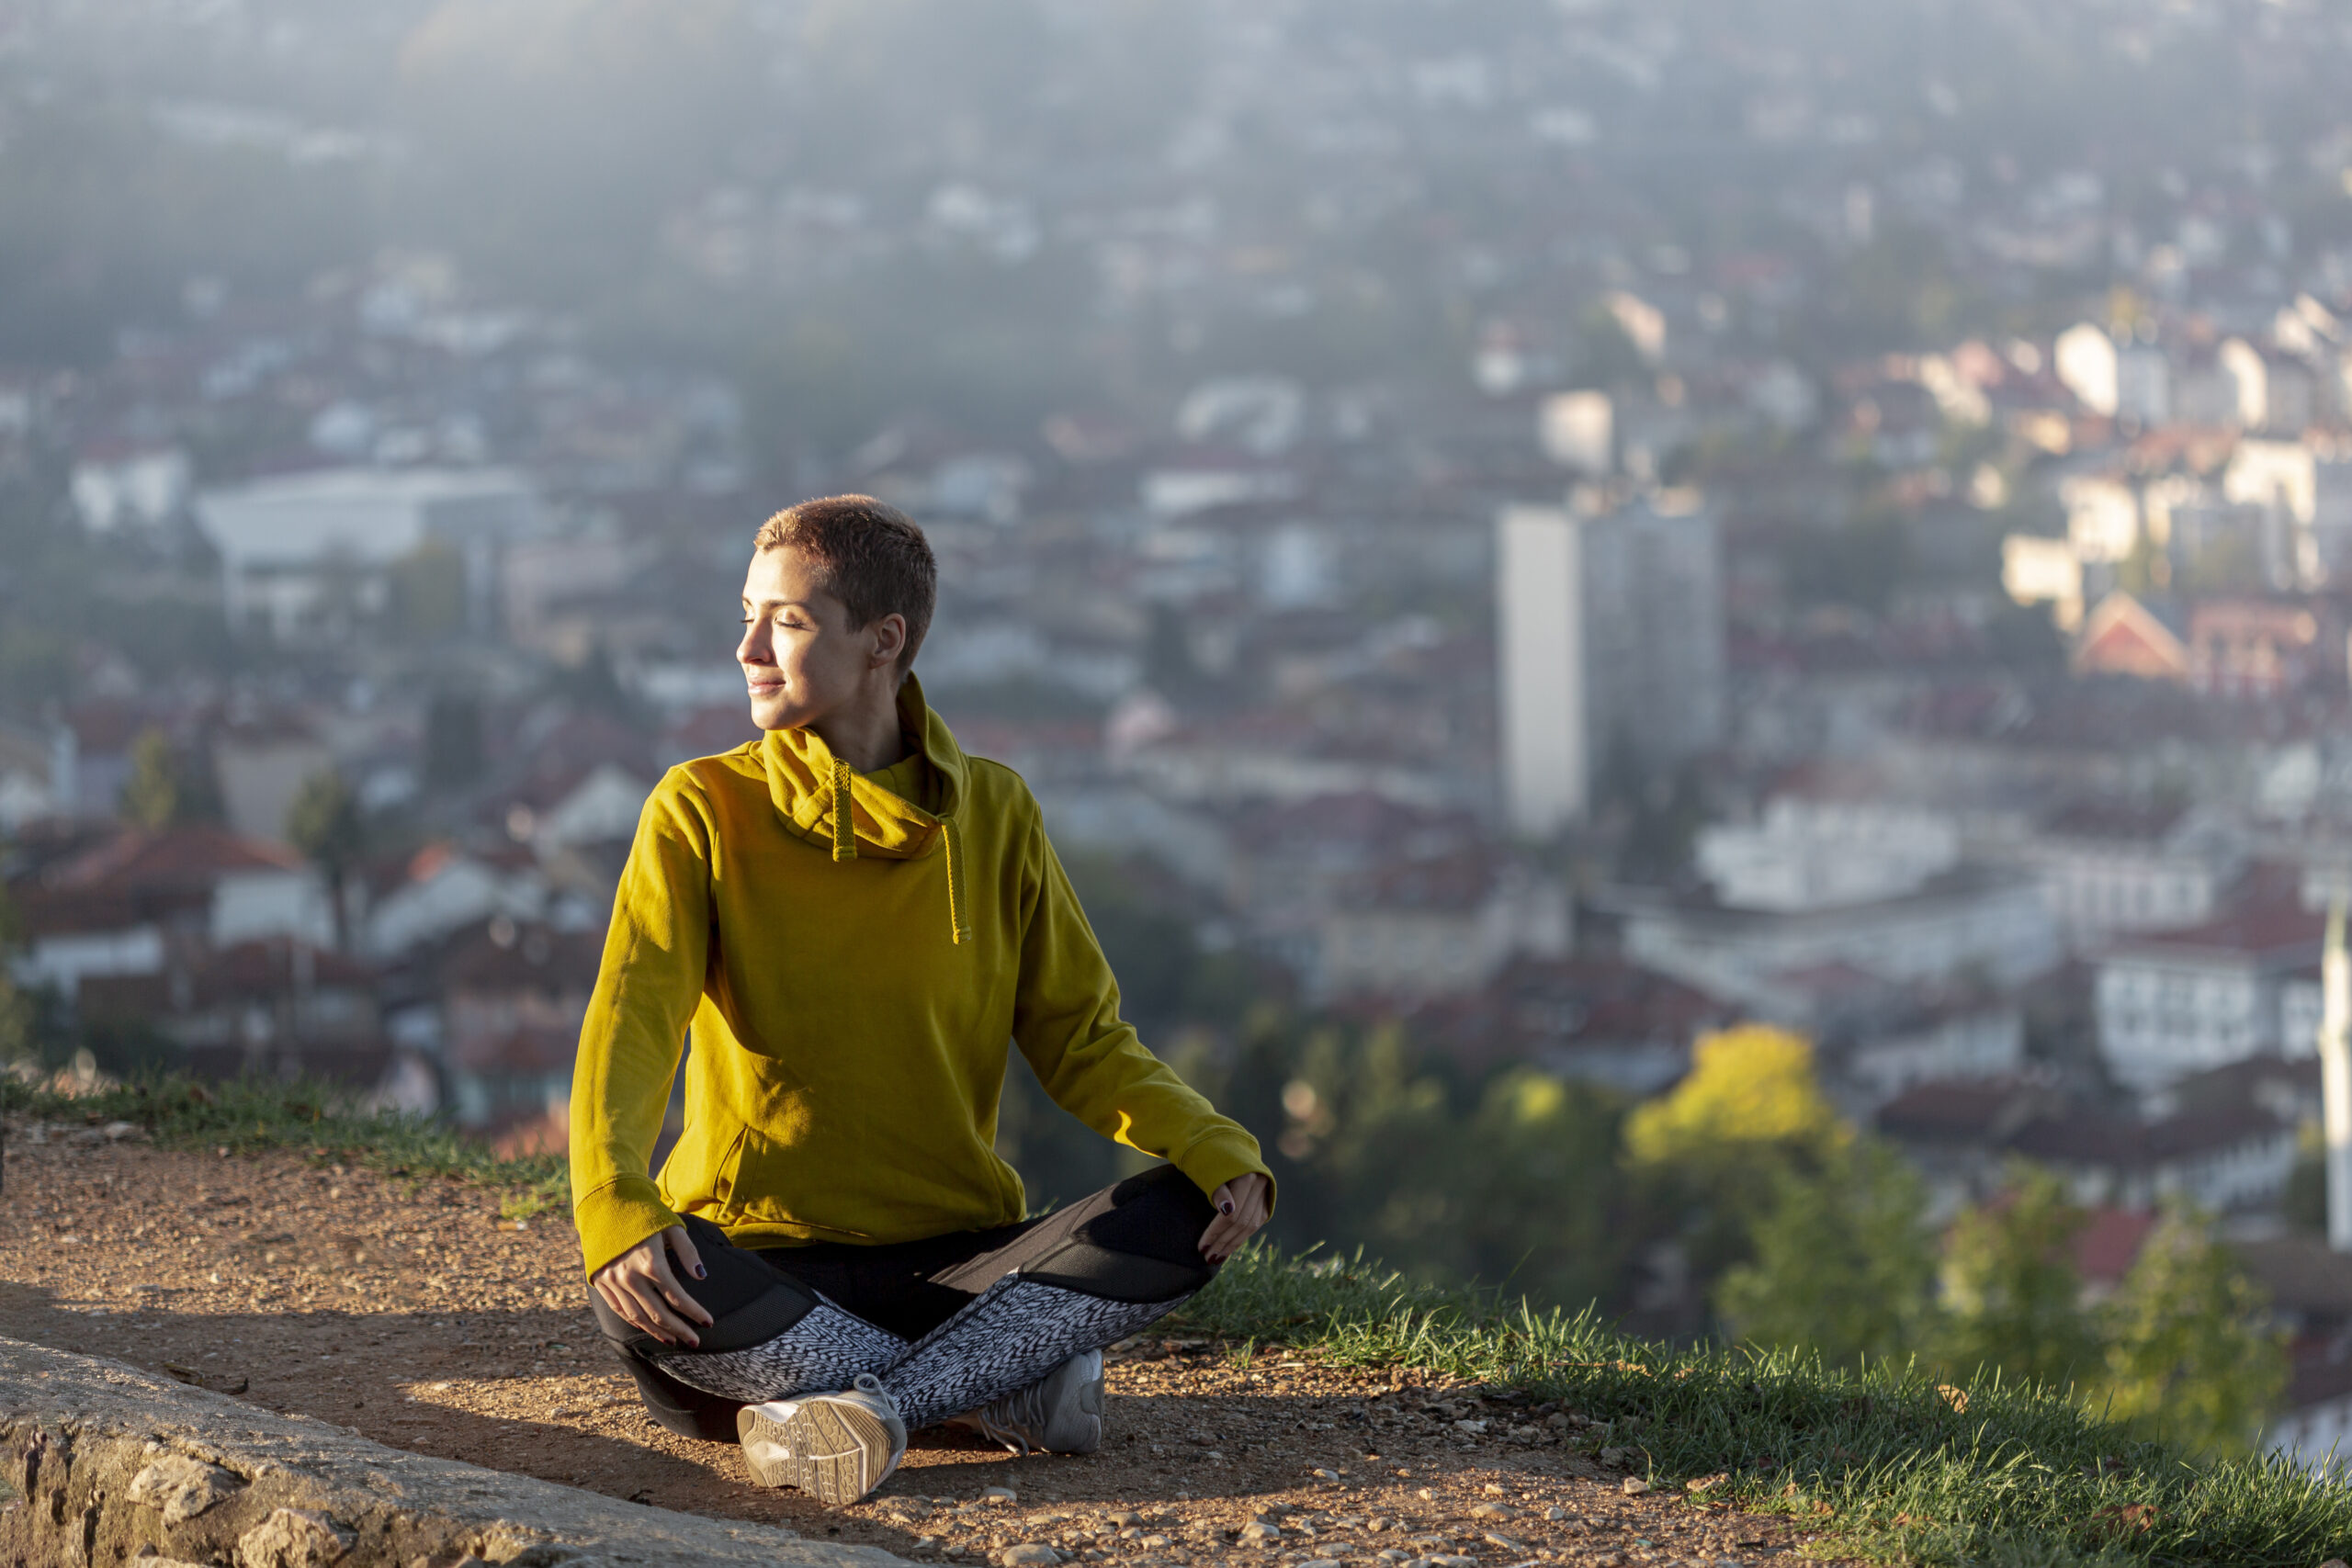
{"x": 249, "y": 1116}
{"x": 1880, "y": 1460}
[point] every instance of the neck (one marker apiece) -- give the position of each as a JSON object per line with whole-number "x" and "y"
{"x": 865, "y": 733}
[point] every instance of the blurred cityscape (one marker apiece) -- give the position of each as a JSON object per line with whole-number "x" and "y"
{"x": 1507, "y": 537}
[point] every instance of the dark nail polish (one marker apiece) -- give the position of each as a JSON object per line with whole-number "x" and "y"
{"x": 700, "y": 1272}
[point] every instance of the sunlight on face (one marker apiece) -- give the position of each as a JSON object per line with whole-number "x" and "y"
{"x": 801, "y": 658}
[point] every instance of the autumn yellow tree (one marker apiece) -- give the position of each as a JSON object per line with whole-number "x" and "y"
{"x": 1708, "y": 1157}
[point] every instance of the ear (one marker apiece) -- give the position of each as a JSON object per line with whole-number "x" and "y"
{"x": 889, "y": 639}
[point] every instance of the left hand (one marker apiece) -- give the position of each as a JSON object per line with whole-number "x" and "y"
{"x": 1240, "y": 1206}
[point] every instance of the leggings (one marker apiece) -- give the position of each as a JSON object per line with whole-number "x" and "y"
{"x": 948, "y": 1323}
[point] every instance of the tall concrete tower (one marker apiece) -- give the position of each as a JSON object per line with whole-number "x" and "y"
{"x": 1609, "y": 633}
{"x": 1539, "y": 634}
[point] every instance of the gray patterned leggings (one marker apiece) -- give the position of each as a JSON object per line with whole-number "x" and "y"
{"x": 947, "y": 1322}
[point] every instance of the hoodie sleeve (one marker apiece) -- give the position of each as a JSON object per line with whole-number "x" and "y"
{"x": 647, "y": 990}
{"x": 1066, "y": 1021}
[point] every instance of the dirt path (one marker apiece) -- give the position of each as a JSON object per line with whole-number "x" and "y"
{"x": 409, "y": 1312}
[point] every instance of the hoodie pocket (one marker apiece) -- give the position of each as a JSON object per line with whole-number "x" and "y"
{"x": 751, "y": 1185}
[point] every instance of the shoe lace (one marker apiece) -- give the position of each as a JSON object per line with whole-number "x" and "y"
{"x": 867, "y": 1382}
{"x": 1017, "y": 1419}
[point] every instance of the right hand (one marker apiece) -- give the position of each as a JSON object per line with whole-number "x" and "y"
{"x": 641, "y": 1289}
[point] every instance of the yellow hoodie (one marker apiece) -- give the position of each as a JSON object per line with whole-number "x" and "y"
{"x": 851, "y": 979}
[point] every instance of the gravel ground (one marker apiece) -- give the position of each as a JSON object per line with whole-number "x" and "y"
{"x": 408, "y": 1311}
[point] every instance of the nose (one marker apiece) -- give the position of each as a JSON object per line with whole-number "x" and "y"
{"x": 753, "y": 647}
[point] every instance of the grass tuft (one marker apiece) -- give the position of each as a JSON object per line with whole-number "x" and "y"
{"x": 1898, "y": 1467}
{"x": 251, "y": 1115}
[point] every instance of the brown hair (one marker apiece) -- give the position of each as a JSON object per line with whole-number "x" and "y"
{"x": 869, "y": 554}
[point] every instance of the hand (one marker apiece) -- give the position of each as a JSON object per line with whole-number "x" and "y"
{"x": 1240, "y": 1210}
{"x": 640, "y": 1287}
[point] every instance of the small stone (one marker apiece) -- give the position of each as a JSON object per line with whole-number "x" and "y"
{"x": 1153, "y": 1542}
{"x": 1029, "y": 1554}
{"x": 1612, "y": 1457}
{"x": 1126, "y": 1516}
{"x": 1326, "y": 1474}
{"x": 1258, "y": 1533}
{"x": 1320, "y": 1562}
{"x": 182, "y": 1487}
{"x": 292, "y": 1537}
{"x": 1556, "y": 1514}
{"x": 1502, "y": 1543}
{"x": 1475, "y": 1428}
{"x": 1634, "y": 1486}
{"x": 1453, "y": 1560}
{"x": 999, "y": 1494}
{"x": 1493, "y": 1510}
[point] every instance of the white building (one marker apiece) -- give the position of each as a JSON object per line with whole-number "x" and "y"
{"x": 136, "y": 487}
{"x": 1438, "y": 929}
{"x": 1578, "y": 430}
{"x": 1819, "y": 854}
{"x": 1973, "y": 921}
{"x": 2181, "y": 1002}
{"x": 2102, "y": 516}
{"x": 2084, "y": 360}
{"x": 1959, "y": 1043}
{"x": 1611, "y": 632}
{"x": 306, "y": 550}
{"x": 2112, "y": 869}
{"x": 121, "y": 909}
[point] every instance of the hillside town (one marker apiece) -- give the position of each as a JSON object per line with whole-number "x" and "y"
{"x": 1692, "y": 634}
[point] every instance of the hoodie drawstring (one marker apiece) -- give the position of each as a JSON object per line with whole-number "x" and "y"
{"x": 844, "y": 830}
{"x": 958, "y": 930}
{"x": 846, "y": 848}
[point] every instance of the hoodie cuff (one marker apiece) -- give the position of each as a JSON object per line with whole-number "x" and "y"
{"x": 615, "y": 1218}
{"x": 1222, "y": 1155}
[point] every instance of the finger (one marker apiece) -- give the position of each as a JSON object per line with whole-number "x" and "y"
{"x": 660, "y": 1321}
{"x": 1218, "y": 1239}
{"x": 628, "y": 1308}
{"x": 677, "y": 1298}
{"x": 689, "y": 1260}
{"x": 682, "y": 1299}
{"x": 615, "y": 1293}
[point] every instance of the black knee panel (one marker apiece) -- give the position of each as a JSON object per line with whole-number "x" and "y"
{"x": 749, "y": 1299}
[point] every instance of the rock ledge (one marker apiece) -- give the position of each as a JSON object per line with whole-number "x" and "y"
{"x": 103, "y": 1463}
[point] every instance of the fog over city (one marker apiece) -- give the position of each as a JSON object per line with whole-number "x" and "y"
{"x": 1695, "y": 651}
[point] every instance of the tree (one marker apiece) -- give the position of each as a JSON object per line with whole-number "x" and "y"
{"x": 2188, "y": 1351}
{"x": 1708, "y": 1154}
{"x": 1844, "y": 1262}
{"x": 2011, "y": 1290}
{"x": 1750, "y": 1086}
{"x": 323, "y": 823}
{"x": 150, "y": 796}
{"x": 18, "y": 1016}
{"x": 1520, "y": 1190}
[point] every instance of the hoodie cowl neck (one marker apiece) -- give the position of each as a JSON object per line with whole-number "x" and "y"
{"x": 804, "y": 777}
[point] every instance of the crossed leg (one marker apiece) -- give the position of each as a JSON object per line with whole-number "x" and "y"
{"x": 947, "y": 1324}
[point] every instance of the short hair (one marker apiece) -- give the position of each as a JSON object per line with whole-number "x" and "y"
{"x": 869, "y": 554}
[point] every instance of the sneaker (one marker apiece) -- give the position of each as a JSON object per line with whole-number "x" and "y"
{"x": 1061, "y": 1412}
{"x": 835, "y": 1447}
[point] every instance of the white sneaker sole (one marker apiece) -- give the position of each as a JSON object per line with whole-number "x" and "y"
{"x": 831, "y": 1450}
